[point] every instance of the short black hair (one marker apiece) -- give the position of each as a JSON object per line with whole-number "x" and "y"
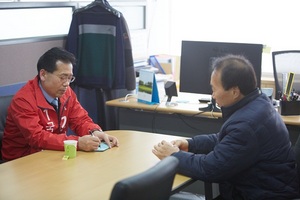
{"x": 48, "y": 60}
{"x": 236, "y": 70}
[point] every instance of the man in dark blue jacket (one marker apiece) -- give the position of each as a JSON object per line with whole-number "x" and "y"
{"x": 251, "y": 157}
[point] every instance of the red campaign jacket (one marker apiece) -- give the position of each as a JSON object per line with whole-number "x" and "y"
{"x": 32, "y": 123}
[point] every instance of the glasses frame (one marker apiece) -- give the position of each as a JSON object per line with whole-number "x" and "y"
{"x": 64, "y": 78}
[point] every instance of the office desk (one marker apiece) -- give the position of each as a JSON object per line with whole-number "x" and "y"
{"x": 184, "y": 119}
{"x": 293, "y": 120}
{"x": 183, "y": 108}
{"x": 91, "y": 175}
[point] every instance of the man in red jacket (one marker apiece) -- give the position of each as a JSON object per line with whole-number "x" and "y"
{"x": 34, "y": 124}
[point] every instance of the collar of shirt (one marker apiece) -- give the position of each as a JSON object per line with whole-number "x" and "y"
{"x": 46, "y": 95}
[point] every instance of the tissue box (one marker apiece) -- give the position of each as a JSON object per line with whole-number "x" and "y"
{"x": 289, "y": 108}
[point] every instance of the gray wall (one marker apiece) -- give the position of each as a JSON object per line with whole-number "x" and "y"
{"x": 18, "y": 60}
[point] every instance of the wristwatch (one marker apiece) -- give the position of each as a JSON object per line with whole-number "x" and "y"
{"x": 96, "y": 129}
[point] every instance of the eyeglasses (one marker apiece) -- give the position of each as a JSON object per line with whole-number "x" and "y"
{"x": 63, "y": 78}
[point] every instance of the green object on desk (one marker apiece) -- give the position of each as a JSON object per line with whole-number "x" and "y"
{"x": 70, "y": 147}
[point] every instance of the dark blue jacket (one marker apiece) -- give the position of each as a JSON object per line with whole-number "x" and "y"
{"x": 251, "y": 157}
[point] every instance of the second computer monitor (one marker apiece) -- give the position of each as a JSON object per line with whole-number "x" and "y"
{"x": 197, "y": 57}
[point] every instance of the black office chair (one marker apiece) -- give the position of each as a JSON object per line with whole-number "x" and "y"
{"x": 297, "y": 153}
{"x": 4, "y": 103}
{"x": 285, "y": 62}
{"x": 152, "y": 184}
{"x": 183, "y": 195}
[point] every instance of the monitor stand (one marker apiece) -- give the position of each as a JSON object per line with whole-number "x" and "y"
{"x": 169, "y": 103}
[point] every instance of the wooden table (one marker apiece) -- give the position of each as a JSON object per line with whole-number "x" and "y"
{"x": 91, "y": 175}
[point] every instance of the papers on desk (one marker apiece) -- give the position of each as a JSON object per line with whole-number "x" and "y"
{"x": 102, "y": 147}
{"x": 184, "y": 97}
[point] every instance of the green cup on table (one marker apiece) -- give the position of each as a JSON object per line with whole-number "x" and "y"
{"x": 70, "y": 147}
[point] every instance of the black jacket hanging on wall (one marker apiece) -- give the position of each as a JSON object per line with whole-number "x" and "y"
{"x": 100, "y": 40}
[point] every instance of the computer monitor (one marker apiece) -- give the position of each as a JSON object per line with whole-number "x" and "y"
{"x": 197, "y": 57}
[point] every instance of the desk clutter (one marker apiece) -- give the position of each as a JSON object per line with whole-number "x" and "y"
{"x": 152, "y": 74}
{"x": 289, "y": 108}
{"x": 289, "y": 99}
{"x": 147, "y": 88}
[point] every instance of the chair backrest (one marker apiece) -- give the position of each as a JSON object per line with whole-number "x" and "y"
{"x": 297, "y": 153}
{"x": 4, "y": 103}
{"x": 283, "y": 63}
{"x": 152, "y": 184}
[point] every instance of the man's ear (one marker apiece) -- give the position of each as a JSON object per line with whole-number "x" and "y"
{"x": 43, "y": 74}
{"x": 236, "y": 93}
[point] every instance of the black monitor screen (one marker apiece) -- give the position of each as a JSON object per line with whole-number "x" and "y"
{"x": 197, "y": 57}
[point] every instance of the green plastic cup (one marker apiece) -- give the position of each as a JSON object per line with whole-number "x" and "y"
{"x": 70, "y": 148}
